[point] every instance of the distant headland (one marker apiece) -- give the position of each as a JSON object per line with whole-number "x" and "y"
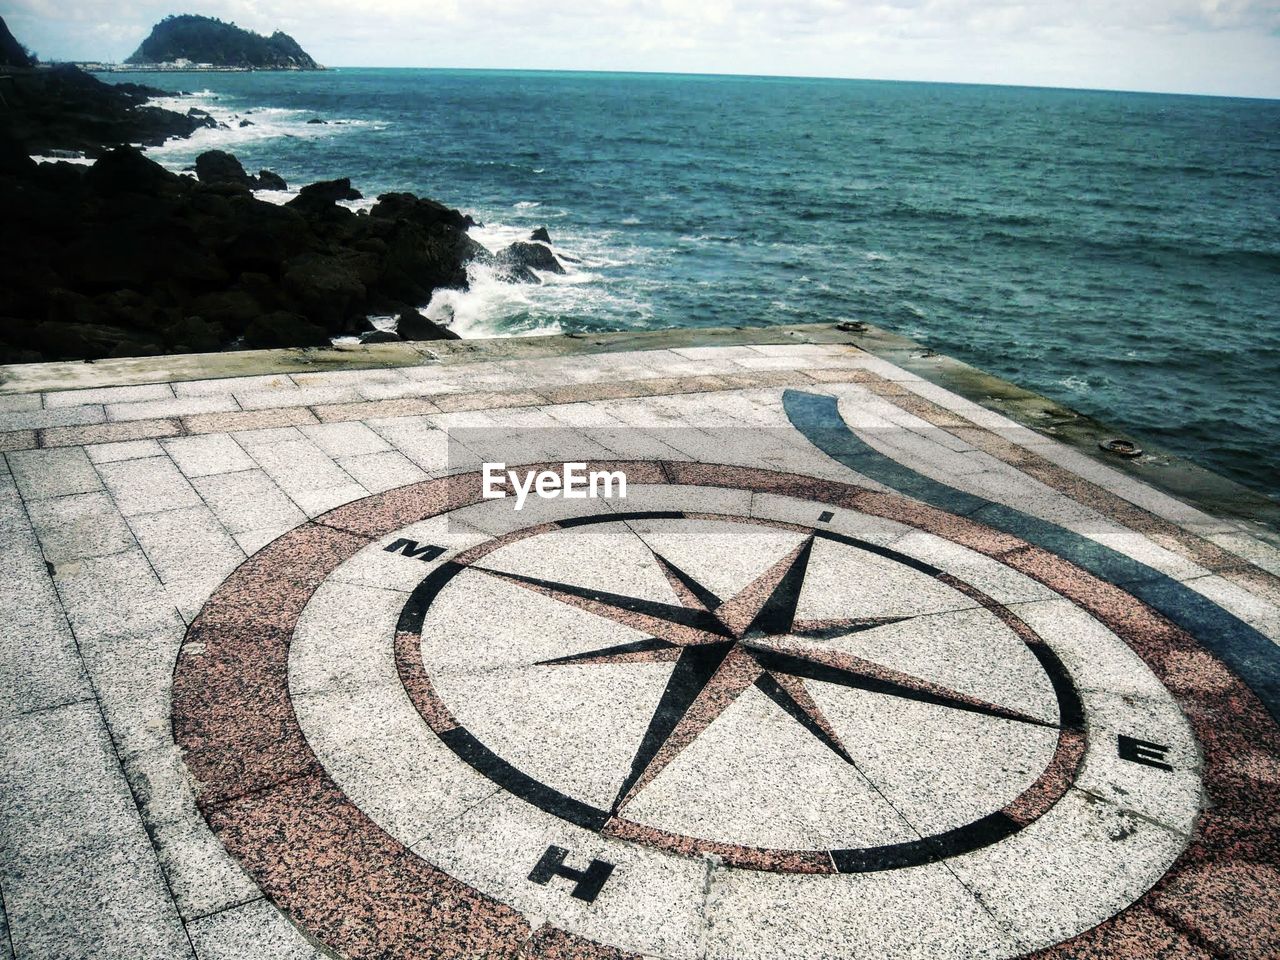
{"x": 190, "y": 42}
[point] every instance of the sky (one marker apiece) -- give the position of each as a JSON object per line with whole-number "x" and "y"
{"x": 1229, "y": 47}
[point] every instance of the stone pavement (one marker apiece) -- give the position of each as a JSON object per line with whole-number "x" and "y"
{"x": 858, "y": 666}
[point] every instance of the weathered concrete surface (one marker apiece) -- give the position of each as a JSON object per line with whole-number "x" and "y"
{"x": 878, "y": 654}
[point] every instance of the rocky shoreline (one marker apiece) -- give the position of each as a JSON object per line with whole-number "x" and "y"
{"x": 125, "y": 258}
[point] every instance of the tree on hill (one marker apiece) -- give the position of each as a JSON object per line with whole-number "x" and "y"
{"x": 209, "y": 40}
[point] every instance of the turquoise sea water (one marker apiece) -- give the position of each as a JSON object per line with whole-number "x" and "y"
{"x": 1118, "y": 252}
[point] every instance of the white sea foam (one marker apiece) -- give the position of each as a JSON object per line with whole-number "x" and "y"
{"x": 266, "y": 123}
{"x": 81, "y": 160}
{"x": 493, "y": 307}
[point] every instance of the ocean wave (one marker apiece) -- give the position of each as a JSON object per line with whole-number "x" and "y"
{"x": 581, "y": 296}
{"x": 263, "y": 123}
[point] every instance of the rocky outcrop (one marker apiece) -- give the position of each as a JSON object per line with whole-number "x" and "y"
{"x": 124, "y": 258}
{"x": 12, "y": 53}
{"x": 64, "y": 108}
{"x": 517, "y": 262}
{"x": 217, "y": 166}
{"x": 206, "y": 40}
{"x": 320, "y": 197}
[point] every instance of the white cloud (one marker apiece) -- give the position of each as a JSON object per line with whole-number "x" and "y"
{"x": 1220, "y": 46}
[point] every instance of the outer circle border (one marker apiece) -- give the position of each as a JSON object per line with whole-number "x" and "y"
{"x": 362, "y": 893}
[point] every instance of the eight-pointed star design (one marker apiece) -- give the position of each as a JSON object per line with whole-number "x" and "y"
{"x": 722, "y": 648}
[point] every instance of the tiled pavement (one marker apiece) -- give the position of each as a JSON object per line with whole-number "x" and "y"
{"x": 140, "y": 819}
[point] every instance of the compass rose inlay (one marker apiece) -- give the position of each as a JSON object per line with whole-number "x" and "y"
{"x": 720, "y": 648}
{"x": 761, "y": 725}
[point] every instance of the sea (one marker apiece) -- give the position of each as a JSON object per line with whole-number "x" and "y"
{"x": 1118, "y": 252}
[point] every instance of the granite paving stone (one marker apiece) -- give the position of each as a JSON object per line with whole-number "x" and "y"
{"x": 54, "y": 417}
{"x": 128, "y": 631}
{"x": 42, "y": 474}
{"x": 190, "y": 551}
{"x": 206, "y": 455}
{"x": 79, "y": 525}
{"x": 345, "y": 439}
{"x": 423, "y": 443}
{"x": 1250, "y": 548}
{"x": 367, "y": 409}
{"x": 109, "y": 395}
{"x": 6, "y": 941}
{"x": 124, "y": 450}
{"x": 20, "y": 402}
{"x": 39, "y": 664}
{"x": 80, "y": 877}
{"x": 149, "y": 485}
{"x": 109, "y": 432}
{"x": 18, "y": 440}
{"x": 248, "y": 420}
{"x": 202, "y": 876}
{"x": 323, "y": 499}
{"x": 153, "y": 409}
{"x": 1252, "y": 609}
{"x": 297, "y": 397}
{"x": 248, "y": 501}
{"x": 300, "y": 467}
{"x": 382, "y": 471}
{"x": 1069, "y": 870}
{"x": 250, "y": 931}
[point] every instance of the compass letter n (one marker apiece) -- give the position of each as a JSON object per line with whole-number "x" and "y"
{"x": 589, "y": 882}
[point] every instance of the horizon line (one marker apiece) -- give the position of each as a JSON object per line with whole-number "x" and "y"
{"x": 738, "y": 76}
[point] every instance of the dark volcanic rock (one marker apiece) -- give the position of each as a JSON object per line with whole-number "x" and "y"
{"x": 419, "y": 210}
{"x": 64, "y": 108}
{"x": 380, "y": 336}
{"x": 540, "y": 235}
{"x": 317, "y": 120}
{"x": 271, "y": 181}
{"x": 284, "y": 329}
{"x": 519, "y": 259}
{"x": 127, "y": 258}
{"x": 217, "y": 166}
{"x": 411, "y": 325}
{"x": 12, "y": 53}
{"x": 125, "y": 170}
{"x": 322, "y": 197}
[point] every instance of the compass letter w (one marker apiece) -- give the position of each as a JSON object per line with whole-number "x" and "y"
{"x": 412, "y": 549}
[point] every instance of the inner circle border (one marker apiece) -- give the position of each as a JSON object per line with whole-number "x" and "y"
{"x": 1032, "y": 803}
{"x": 362, "y": 893}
